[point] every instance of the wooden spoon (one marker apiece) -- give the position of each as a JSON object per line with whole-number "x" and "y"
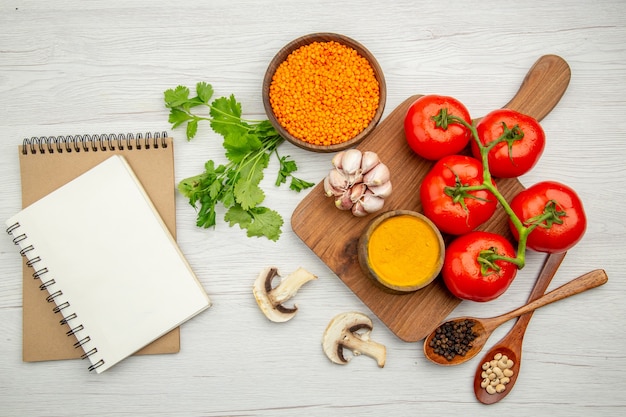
{"x": 550, "y": 266}
{"x": 483, "y": 327}
{"x": 511, "y": 343}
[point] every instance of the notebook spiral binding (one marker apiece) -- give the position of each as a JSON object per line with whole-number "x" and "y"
{"x": 54, "y": 293}
{"x": 93, "y": 143}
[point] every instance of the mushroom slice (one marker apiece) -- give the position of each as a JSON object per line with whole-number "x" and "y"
{"x": 270, "y": 299}
{"x": 351, "y": 331}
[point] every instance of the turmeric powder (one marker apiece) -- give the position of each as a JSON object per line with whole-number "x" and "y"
{"x": 405, "y": 252}
{"x": 324, "y": 93}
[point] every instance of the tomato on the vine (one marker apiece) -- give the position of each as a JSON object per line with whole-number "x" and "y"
{"x": 470, "y": 270}
{"x": 521, "y": 141}
{"x": 453, "y": 210}
{"x": 428, "y": 131}
{"x": 557, "y": 210}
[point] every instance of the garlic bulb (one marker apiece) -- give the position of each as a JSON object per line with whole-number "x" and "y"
{"x": 358, "y": 182}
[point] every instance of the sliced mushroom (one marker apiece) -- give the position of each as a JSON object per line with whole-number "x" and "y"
{"x": 270, "y": 299}
{"x": 351, "y": 331}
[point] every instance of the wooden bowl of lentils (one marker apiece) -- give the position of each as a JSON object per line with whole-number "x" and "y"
{"x": 324, "y": 92}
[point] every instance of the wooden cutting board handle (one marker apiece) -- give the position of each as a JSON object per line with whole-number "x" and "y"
{"x": 542, "y": 88}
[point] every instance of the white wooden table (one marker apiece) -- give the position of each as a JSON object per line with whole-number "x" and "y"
{"x": 96, "y": 67}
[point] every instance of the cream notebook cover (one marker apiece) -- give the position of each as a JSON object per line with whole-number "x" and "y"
{"x": 46, "y": 163}
{"x": 108, "y": 262}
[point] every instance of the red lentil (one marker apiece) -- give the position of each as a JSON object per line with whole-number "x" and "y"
{"x": 324, "y": 93}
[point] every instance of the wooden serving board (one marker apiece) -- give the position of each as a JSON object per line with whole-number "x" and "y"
{"x": 333, "y": 234}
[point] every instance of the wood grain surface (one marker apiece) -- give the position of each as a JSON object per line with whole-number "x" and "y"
{"x": 333, "y": 234}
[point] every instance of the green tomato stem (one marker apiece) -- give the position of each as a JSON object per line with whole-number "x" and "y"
{"x": 487, "y": 184}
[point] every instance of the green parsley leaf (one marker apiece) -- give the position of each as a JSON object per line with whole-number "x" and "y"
{"x": 206, "y": 215}
{"x": 226, "y": 117}
{"x": 287, "y": 167}
{"x": 248, "y": 194}
{"x": 192, "y": 129}
{"x": 237, "y": 215}
{"x": 266, "y": 223}
{"x": 240, "y": 146}
{"x": 204, "y": 91}
{"x": 176, "y": 97}
{"x": 178, "y": 117}
{"x": 298, "y": 185}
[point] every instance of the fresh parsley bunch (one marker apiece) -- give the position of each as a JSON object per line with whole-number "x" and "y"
{"x": 249, "y": 145}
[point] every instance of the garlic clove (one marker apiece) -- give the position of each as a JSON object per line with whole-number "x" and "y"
{"x": 344, "y": 202}
{"x": 330, "y": 190}
{"x": 351, "y": 161}
{"x": 358, "y": 210}
{"x": 337, "y": 160}
{"x": 383, "y": 190}
{"x": 377, "y": 176}
{"x": 371, "y": 203}
{"x": 338, "y": 180}
{"x": 357, "y": 191}
{"x": 370, "y": 160}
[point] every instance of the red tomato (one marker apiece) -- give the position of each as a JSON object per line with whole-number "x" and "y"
{"x": 466, "y": 277}
{"x": 511, "y": 157}
{"x": 433, "y": 140}
{"x": 454, "y": 214}
{"x": 566, "y": 208}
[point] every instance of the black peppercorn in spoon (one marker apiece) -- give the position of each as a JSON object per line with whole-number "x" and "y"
{"x": 483, "y": 327}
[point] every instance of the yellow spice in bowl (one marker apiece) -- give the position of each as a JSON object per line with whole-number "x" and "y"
{"x": 324, "y": 93}
{"x": 405, "y": 252}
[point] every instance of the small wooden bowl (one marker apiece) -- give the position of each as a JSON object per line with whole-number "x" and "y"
{"x": 306, "y": 40}
{"x": 410, "y": 246}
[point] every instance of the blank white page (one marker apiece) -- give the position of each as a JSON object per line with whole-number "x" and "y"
{"x": 113, "y": 260}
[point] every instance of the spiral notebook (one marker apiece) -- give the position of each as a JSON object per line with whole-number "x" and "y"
{"x": 111, "y": 268}
{"x": 48, "y": 163}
